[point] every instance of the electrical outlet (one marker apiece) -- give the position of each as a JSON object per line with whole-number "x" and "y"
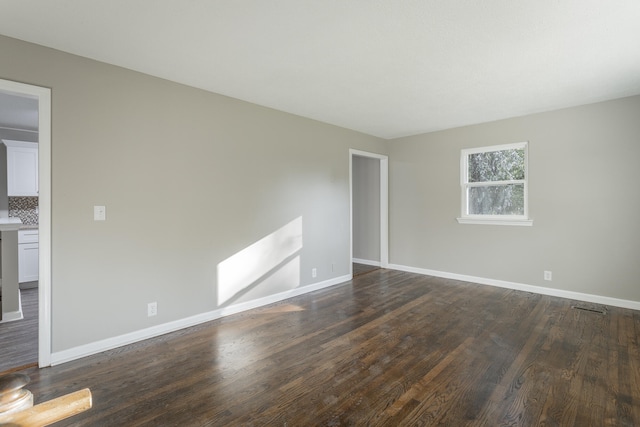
{"x": 152, "y": 309}
{"x": 99, "y": 213}
{"x": 547, "y": 276}
{"x": 314, "y": 272}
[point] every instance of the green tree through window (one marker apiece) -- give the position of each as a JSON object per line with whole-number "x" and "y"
{"x": 494, "y": 181}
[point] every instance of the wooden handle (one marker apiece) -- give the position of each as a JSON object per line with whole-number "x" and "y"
{"x": 47, "y": 413}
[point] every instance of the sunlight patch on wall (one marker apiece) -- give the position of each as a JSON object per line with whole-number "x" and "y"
{"x": 267, "y": 264}
{"x": 281, "y": 279}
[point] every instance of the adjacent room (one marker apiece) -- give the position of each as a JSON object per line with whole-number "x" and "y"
{"x": 321, "y": 212}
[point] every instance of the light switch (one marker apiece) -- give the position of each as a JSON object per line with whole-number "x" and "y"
{"x": 99, "y": 213}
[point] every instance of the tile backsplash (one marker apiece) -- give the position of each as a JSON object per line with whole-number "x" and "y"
{"x": 25, "y": 208}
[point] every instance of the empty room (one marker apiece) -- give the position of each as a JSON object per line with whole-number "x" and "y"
{"x": 301, "y": 213}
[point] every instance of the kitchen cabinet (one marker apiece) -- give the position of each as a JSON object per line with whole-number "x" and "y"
{"x": 22, "y": 168}
{"x": 28, "y": 261}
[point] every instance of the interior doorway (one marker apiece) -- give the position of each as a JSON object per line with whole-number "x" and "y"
{"x": 369, "y": 188}
{"x": 42, "y": 98}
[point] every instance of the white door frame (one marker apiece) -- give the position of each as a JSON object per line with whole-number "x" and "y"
{"x": 43, "y": 95}
{"x": 384, "y": 206}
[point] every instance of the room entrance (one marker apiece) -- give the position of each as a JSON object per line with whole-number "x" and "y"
{"x": 369, "y": 211}
{"x": 40, "y": 98}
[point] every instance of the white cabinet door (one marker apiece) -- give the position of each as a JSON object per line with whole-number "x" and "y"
{"x": 22, "y": 168}
{"x": 28, "y": 267}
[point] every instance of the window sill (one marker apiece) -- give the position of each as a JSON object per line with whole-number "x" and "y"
{"x": 496, "y": 221}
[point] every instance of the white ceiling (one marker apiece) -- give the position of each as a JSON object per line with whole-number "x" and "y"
{"x": 386, "y": 68}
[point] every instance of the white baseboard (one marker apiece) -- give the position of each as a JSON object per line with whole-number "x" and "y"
{"x": 110, "y": 343}
{"x": 12, "y": 316}
{"x": 154, "y": 331}
{"x": 367, "y": 262}
{"x": 597, "y": 299}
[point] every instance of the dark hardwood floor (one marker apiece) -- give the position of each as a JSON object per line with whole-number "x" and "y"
{"x": 19, "y": 339}
{"x": 386, "y": 349}
{"x": 359, "y": 269}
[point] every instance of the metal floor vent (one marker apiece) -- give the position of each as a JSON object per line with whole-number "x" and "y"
{"x": 590, "y": 309}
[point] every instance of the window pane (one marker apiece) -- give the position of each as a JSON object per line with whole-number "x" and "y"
{"x": 496, "y": 200}
{"x": 501, "y": 165}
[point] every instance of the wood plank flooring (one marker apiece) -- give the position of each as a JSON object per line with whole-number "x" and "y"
{"x": 359, "y": 269}
{"x": 386, "y": 349}
{"x": 19, "y": 339}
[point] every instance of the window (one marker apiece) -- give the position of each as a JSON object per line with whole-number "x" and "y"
{"x": 494, "y": 185}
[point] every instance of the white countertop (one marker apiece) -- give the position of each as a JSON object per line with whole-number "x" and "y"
{"x": 28, "y": 226}
{"x": 10, "y": 224}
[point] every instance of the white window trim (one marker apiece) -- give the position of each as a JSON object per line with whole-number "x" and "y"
{"x": 520, "y": 220}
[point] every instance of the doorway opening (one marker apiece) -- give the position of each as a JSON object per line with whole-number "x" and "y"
{"x": 369, "y": 196}
{"x": 40, "y": 98}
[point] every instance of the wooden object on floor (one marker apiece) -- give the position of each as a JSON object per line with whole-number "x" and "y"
{"x": 50, "y": 412}
{"x": 389, "y": 348}
{"x": 13, "y": 396}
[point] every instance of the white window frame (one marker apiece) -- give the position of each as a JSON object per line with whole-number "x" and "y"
{"x": 465, "y": 217}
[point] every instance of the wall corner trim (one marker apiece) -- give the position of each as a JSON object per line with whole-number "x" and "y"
{"x": 597, "y": 299}
{"x": 165, "y": 328}
{"x": 367, "y": 262}
{"x": 12, "y": 316}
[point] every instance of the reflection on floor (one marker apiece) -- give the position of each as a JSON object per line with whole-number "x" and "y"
{"x": 389, "y": 348}
{"x": 359, "y": 269}
{"x": 19, "y": 339}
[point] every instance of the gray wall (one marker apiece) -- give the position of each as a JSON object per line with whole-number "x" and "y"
{"x": 584, "y": 200}
{"x": 366, "y": 208}
{"x": 189, "y": 178}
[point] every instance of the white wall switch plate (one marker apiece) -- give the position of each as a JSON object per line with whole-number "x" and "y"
{"x": 99, "y": 213}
